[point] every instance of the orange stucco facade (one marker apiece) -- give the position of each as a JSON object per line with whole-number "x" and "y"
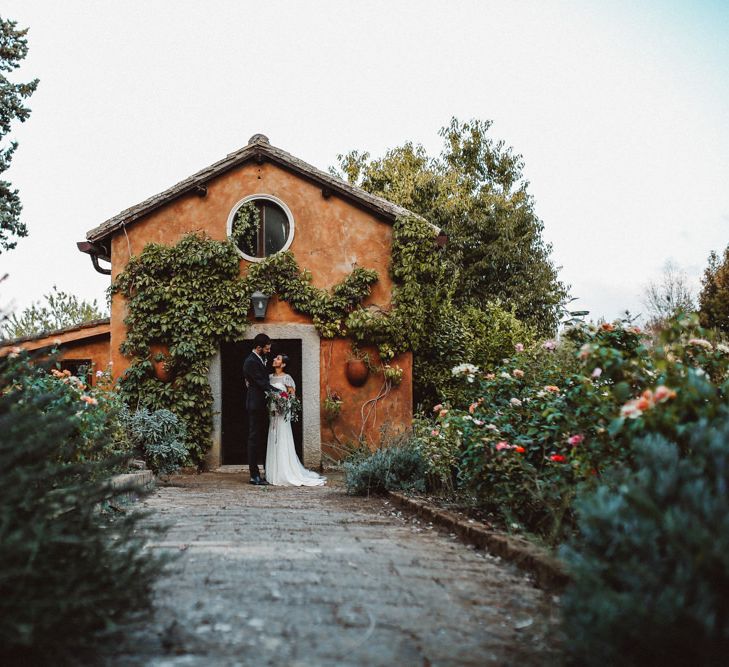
{"x": 84, "y": 343}
{"x": 331, "y": 237}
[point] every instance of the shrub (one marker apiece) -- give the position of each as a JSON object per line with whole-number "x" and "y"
{"x": 651, "y": 563}
{"x": 481, "y": 336}
{"x": 160, "y": 437}
{"x": 96, "y": 411}
{"x": 69, "y": 573}
{"x": 554, "y": 416}
{"x": 399, "y": 466}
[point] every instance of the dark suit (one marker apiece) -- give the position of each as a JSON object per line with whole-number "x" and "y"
{"x": 256, "y": 375}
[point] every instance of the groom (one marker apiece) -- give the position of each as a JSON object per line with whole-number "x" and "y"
{"x": 256, "y": 375}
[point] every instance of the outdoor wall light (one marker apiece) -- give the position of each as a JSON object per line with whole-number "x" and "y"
{"x": 260, "y": 303}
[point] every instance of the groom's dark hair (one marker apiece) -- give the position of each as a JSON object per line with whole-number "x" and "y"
{"x": 261, "y": 340}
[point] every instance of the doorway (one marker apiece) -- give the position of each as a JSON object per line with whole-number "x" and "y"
{"x": 234, "y": 419}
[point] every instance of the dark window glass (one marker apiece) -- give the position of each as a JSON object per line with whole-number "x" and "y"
{"x": 81, "y": 368}
{"x": 263, "y": 234}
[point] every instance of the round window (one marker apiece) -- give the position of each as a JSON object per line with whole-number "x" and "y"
{"x": 260, "y": 226}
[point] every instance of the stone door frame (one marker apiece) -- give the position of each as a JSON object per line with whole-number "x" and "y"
{"x": 310, "y": 378}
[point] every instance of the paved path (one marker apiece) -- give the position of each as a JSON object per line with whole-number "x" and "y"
{"x": 299, "y": 577}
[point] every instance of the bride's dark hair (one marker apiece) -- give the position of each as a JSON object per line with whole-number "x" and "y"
{"x": 284, "y": 359}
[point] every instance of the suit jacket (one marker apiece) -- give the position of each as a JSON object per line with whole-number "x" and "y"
{"x": 255, "y": 371}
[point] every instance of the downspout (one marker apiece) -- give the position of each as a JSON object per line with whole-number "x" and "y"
{"x": 96, "y": 252}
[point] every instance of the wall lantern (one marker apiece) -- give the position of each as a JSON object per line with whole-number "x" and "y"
{"x": 260, "y": 303}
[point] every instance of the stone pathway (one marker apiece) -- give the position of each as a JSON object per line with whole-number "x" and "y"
{"x": 304, "y": 577}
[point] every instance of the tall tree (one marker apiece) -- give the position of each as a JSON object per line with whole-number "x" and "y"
{"x": 476, "y": 192}
{"x": 668, "y": 297}
{"x": 57, "y": 310}
{"x": 13, "y": 49}
{"x": 714, "y": 295}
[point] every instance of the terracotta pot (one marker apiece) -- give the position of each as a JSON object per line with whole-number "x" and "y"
{"x": 160, "y": 371}
{"x": 357, "y": 372}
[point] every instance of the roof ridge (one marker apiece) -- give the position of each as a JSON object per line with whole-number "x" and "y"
{"x": 257, "y": 148}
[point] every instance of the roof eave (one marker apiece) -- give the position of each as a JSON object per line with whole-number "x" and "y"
{"x": 257, "y": 150}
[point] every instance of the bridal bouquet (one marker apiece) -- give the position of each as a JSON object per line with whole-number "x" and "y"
{"x": 285, "y": 404}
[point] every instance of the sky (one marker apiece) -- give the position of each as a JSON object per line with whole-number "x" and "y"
{"x": 619, "y": 109}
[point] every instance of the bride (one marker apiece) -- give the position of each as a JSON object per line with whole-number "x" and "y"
{"x": 283, "y": 467}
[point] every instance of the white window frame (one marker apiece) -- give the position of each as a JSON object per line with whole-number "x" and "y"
{"x": 255, "y": 197}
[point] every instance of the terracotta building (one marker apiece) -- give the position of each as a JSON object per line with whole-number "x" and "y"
{"x": 328, "y": 225}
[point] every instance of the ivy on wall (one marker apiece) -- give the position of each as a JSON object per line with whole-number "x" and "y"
{"x": 190, "y": 297}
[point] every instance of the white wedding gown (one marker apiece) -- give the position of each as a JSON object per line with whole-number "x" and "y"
{"x": 283, "y": 467}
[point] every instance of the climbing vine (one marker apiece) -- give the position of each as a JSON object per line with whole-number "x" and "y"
{"x": 190, "y": 297}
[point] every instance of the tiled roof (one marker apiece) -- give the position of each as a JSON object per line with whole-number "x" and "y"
{"x": 258, "y": 149}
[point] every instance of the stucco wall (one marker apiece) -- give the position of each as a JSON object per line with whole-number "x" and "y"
{"x": 331, "y": 237}
{"x": 93, "y": 346}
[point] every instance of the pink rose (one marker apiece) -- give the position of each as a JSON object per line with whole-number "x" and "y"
{"x": 597, "y": 372}
{"x": 517, "y": 373}
{"x": 575, "y": 440}
{"x": 663, "y": 394}
{"x": 437, "y": 408}
{"x": 500, "y": 446}
{"x": 519, "y": 347}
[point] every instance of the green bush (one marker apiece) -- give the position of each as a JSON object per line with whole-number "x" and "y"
{"x": 553, "y": 416}
{"x": 160, "y": 437}
{"x": 481, "y": 336}
{"x": 70, "y": 573}
{"x": 651, "y": 564}
{"x": 397, "y": 467}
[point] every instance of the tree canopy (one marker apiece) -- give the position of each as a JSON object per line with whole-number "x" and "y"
{"x": 668, "y": 297}
{"x": 714, "y": 295}
{"x": 56, "y": 310}
{"x": 13, "y": 49}
{"x": 476, "y": 192}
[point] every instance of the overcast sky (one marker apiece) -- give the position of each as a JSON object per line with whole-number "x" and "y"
{"x": 620, "y": 110}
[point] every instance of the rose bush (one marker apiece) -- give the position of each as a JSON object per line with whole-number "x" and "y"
{"x": 555, "y": 416}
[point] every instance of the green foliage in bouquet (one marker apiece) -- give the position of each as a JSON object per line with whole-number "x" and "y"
{"x": 70, "y": 573}
{"x": 284, "y": 404}
{"x": 650, "y": 566}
